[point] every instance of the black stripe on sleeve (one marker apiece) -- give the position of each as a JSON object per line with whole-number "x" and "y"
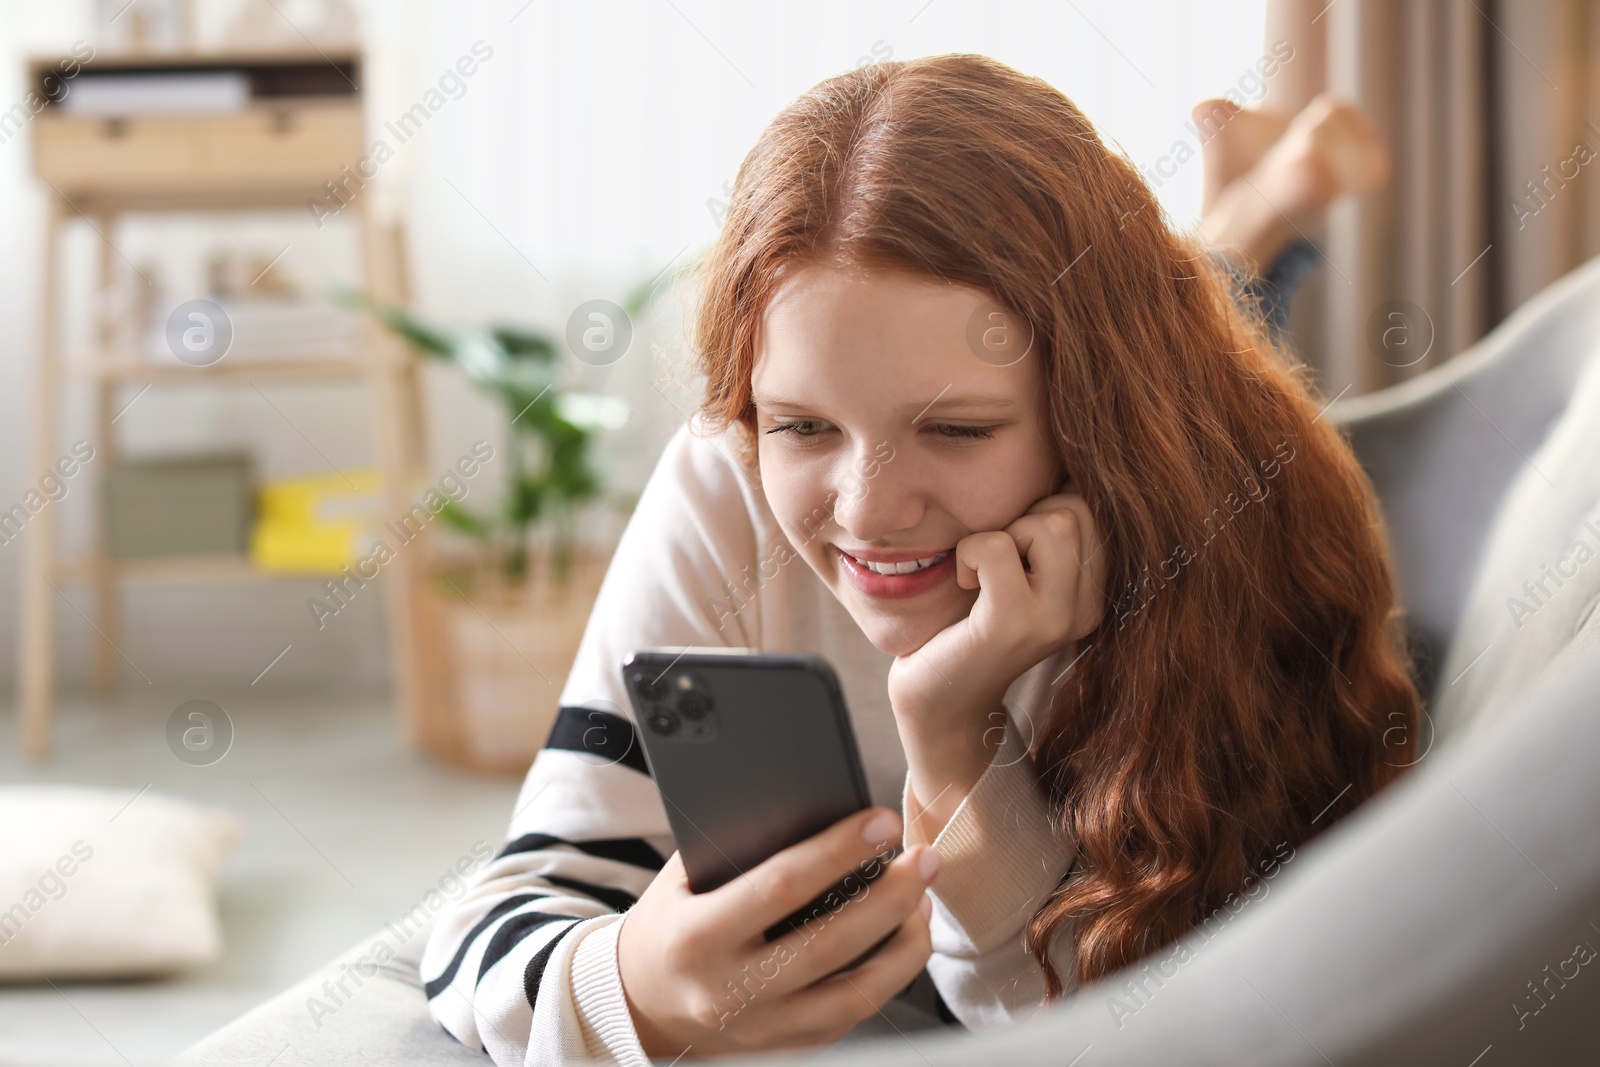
{"x": 942, "y": 1010}
{"x": 534, "y": 972}
{"x": 606, "y": 737}
{"x": 634, "y": 851}
{"x": 511, "y": 933}
{"x": 437, "y": 986}
{"x": 610, "y": 896}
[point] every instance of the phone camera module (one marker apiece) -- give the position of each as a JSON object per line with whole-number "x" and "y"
{"x": 693, "y": 705}
{"x": 674, "y": 703}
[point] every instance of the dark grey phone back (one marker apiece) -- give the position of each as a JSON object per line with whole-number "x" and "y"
{"x": 752, "y": 752}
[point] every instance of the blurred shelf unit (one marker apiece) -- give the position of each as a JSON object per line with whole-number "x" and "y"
{"x": 208, "y": 569}
{"x": 202, "y": 132}
{"x": 153, "y": 131}
{"x": 142, "y": 369}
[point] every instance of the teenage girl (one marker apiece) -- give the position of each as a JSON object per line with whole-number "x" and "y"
{"x": 1108, "y": 596}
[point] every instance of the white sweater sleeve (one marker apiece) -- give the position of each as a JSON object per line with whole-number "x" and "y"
{"x": 1001, "y": 858}
{"x": 524, "y": 965}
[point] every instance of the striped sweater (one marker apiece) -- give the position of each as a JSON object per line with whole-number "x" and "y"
{"x": 524, "y": 965}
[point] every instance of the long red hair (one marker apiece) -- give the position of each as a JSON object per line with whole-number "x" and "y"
{"x": 1249, "y": 682}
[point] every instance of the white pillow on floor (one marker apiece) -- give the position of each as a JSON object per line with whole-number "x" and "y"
{"x": 96, "y": 882}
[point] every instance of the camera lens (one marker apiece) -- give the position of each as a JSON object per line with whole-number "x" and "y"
{"x": 662, "y": 721}
{"x": 692, "y": 705}
{"x": 648, "y": 686}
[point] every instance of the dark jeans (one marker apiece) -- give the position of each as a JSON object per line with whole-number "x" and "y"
{"x": 1273, "y": 290}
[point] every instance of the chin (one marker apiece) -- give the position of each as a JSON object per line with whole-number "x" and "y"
{"x": 887, "y": 639}
{"x": 896, "y": 635}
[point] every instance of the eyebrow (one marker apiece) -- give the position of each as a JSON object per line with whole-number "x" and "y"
{"x": 963, "y": 402}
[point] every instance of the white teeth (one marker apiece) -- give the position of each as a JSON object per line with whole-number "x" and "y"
{"x": 910, "y": 566}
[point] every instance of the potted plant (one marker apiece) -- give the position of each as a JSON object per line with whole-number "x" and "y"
{"x": 499, "y": 625}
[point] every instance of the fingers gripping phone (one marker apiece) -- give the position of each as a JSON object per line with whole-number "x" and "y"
{"x": 752, "y": 752}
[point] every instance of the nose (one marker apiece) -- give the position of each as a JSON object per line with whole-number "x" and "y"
{"x": 876, "y": 498}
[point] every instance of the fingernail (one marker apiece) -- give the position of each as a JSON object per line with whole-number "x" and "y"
{"x": 881, "y": 827}
{"x": 926, "y": 906}
{"x": 929, "y": 864}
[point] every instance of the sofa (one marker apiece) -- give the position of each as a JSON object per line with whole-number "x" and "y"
{"x": 1450, "y": 920}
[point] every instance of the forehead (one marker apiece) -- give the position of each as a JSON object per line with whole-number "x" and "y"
{"x": 835, "y": 332}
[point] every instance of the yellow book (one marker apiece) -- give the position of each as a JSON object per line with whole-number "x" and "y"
{"x": 313, "y": 525}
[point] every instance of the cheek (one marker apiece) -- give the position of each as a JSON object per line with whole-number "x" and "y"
{"x": 799, "y": 500}
{"x": 993, "y": 493}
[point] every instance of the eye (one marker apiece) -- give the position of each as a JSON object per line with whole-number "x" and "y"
{"x": 955, "y": 432}
{"x": 798, "y": 428}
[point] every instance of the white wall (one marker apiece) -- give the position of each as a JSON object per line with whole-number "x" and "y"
{"x": 588, "y": 149}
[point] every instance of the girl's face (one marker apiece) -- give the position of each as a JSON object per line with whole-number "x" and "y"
{"x": 886, "y": 434}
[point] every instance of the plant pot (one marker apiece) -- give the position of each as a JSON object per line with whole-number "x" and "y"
{"x": 498, "y": 655}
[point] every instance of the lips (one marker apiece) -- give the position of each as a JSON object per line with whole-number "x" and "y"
{"x": 915, "y": 580}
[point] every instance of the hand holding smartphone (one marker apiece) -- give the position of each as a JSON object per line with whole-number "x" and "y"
{"x": 785, "y": 875}
{"x": 752, "y": 752}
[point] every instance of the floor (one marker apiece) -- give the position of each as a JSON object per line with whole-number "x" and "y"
{"x": 356, "y": 828}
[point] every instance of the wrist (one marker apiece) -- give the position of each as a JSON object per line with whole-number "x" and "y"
{"x": 957, "y": 737}
{"x": 655, "y": 1043}
{"x": 939, "y": 777}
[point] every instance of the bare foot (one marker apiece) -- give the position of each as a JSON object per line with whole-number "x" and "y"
{"x": 1233, "y": 140}
{"x": 1330, "y": 149}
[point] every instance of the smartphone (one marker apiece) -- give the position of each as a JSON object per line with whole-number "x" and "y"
{"x": 752, "y": 752}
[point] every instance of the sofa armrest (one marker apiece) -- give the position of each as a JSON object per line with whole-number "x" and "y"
{"x": 1443, "y": 448}
{"x": 376, "y": 1021}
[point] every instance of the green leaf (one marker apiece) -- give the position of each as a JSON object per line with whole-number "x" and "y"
{"x": 547, "y": 469}
{"x": 461, "y": 519}
{"x": 429, "y": 339}
{"x": 425, "y": 337}
{"x": 523, "y": 343}
{"x": 526, "y": 500}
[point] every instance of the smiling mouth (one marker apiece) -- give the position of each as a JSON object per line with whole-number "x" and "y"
{"x": 897, "y": 579}
{"x": 910, "y": 566}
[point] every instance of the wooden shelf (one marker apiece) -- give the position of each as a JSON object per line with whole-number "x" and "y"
{"x": 295, "y": 147}
{"x": 187, "y": 59}
{"x": 224, "y": 371}
{"x": 298, "y": 141}
{"x": 171, "y": 570}
{"x": 202, "y": 569}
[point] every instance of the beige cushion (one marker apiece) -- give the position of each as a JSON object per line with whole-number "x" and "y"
{"x": 107, "y": 882}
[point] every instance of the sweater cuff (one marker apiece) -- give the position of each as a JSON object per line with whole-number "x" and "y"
{"x": 601, "y": 1004}
{"x": 1000, "y": 850}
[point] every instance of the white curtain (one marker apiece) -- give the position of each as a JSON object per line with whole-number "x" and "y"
{"x": 584, "y": 154}
{"x": 595, "y": 145}
{"x": 597, "y": 133}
